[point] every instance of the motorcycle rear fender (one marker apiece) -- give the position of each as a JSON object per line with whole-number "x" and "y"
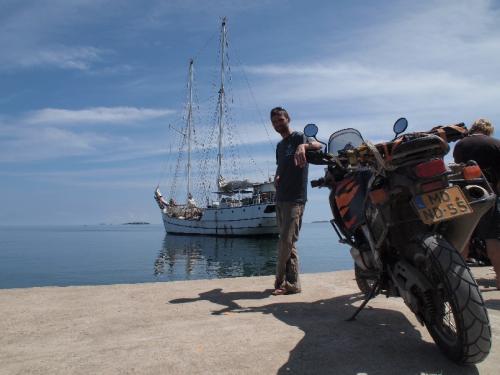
{"x": 459, "y": 231}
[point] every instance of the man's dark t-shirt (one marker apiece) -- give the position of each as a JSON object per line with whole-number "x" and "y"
{"x": 484, "y": 150}
{"x": 292, "y": 186}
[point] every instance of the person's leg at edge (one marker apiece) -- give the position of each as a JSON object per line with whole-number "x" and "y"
{"x": 281, "y": 257}
{"x": 493, "y": 250}
{"x": 493, "y": 241}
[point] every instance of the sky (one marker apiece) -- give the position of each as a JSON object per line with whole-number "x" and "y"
{"x": 92, "y": 91}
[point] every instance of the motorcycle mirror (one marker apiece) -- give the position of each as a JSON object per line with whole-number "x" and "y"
{"x": 310, "y": 130}
{"x": 400, "y": 126}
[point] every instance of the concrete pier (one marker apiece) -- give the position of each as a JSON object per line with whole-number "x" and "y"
{"x": 223, "y": 326}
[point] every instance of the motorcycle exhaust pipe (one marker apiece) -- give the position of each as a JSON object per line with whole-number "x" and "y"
{"x": 356, "y": 255}
{"x": 476, "y": 191}
{"x": 363, "y": 259}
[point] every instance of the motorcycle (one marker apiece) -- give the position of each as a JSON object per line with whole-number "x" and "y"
{"x": 406, "y": 216}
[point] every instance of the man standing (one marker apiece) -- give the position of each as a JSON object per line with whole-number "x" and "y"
{"x": 485, "y": 150}
{"x": 291, "y": 196}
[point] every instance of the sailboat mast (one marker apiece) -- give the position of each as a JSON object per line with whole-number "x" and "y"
{"x": 221, "y": 100}
{"x": 189, "y": 127}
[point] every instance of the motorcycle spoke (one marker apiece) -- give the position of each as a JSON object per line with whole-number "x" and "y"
{"x": 448, "y": 320}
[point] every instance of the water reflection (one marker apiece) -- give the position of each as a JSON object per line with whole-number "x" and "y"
{"x": 197, "y": 257}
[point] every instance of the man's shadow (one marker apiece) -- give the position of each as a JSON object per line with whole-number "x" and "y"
{"x": 380, "y": 341}
{"x": 218, "y": 297}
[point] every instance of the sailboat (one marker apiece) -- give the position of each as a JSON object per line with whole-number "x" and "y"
{"x": 240, "y": 208}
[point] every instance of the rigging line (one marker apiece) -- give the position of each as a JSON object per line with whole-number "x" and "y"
{"x": 233, "y": 130}
{"x": 233, "y": 151}
{"x": 263, "y": 123}
{"x": 236, "y": 134}
{"x": 185, "y": 135}
{"x": 198, "y": 53}
{"x": 163, "y": 170}
{"x": 173, "y": 188}
{"x": 206, "y": 166}
{"x": 188, "y": 121}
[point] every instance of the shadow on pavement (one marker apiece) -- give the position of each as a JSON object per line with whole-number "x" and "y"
{"x": 493, "y": 304}
{"x": 226, "y": 299}
{"x": 486, "y": 283}
{"x": 380, "y": 341}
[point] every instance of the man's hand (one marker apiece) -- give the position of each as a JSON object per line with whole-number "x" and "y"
{"x": 300, "y": 156}
{"x": 276, "y": 181}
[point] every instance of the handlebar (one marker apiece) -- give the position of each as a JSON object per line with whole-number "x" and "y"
{"x": 319, "y": 157}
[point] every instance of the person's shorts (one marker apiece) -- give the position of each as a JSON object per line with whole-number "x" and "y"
{"x": 489, "y": 225}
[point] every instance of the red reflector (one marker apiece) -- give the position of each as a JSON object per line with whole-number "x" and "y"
{"x": 471, "y": 172}
{"x": 430, "y": 168}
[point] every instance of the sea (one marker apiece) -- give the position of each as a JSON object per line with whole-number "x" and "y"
{"x": 34, "y": 256}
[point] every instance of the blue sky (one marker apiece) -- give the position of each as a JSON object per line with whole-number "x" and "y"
{"x": 88, "y": 88}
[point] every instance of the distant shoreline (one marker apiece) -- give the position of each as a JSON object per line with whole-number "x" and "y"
{"x": 319, "y": 221}
{"x": 137, "y": 223}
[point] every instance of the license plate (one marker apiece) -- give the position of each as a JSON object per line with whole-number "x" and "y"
{"x": 441, "y": 205}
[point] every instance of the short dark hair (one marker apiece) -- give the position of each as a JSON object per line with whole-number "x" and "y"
{"x": 279, "y": 111}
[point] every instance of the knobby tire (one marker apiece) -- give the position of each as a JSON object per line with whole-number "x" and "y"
{"x": 456, "y": 291}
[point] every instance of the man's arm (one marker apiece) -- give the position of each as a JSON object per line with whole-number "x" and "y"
{"x": 300, "y": 152}
{"x": 277, "y": 174}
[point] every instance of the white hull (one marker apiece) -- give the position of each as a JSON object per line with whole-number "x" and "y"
{"x": 248, "y": 220}
{"x": 239, "y": 209}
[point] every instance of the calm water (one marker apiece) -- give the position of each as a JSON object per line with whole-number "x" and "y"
{"x": 89, "y": 255}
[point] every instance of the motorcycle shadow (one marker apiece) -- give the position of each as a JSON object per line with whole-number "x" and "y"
{"x": 380, "y": 341}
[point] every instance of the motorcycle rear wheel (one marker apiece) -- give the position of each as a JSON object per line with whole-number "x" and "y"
{"x": 460, "y": 325}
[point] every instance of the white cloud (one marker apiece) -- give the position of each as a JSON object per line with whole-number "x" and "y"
{"x": 79, "y": 58}
{"x": 29, "y": 144}
{"x": 457, "y": 36}
{"x": 109, "y": 115}
{"x": 44, "y": 33}
{"x": 351, "y": 81}
{"x": 32, "y": 34}
{"x": 434, "y": 62}
{"x": 44, "y": 134}
{"x": 77, "y": 176}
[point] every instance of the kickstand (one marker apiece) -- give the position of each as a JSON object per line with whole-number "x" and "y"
{"x": 373, "y": 293}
